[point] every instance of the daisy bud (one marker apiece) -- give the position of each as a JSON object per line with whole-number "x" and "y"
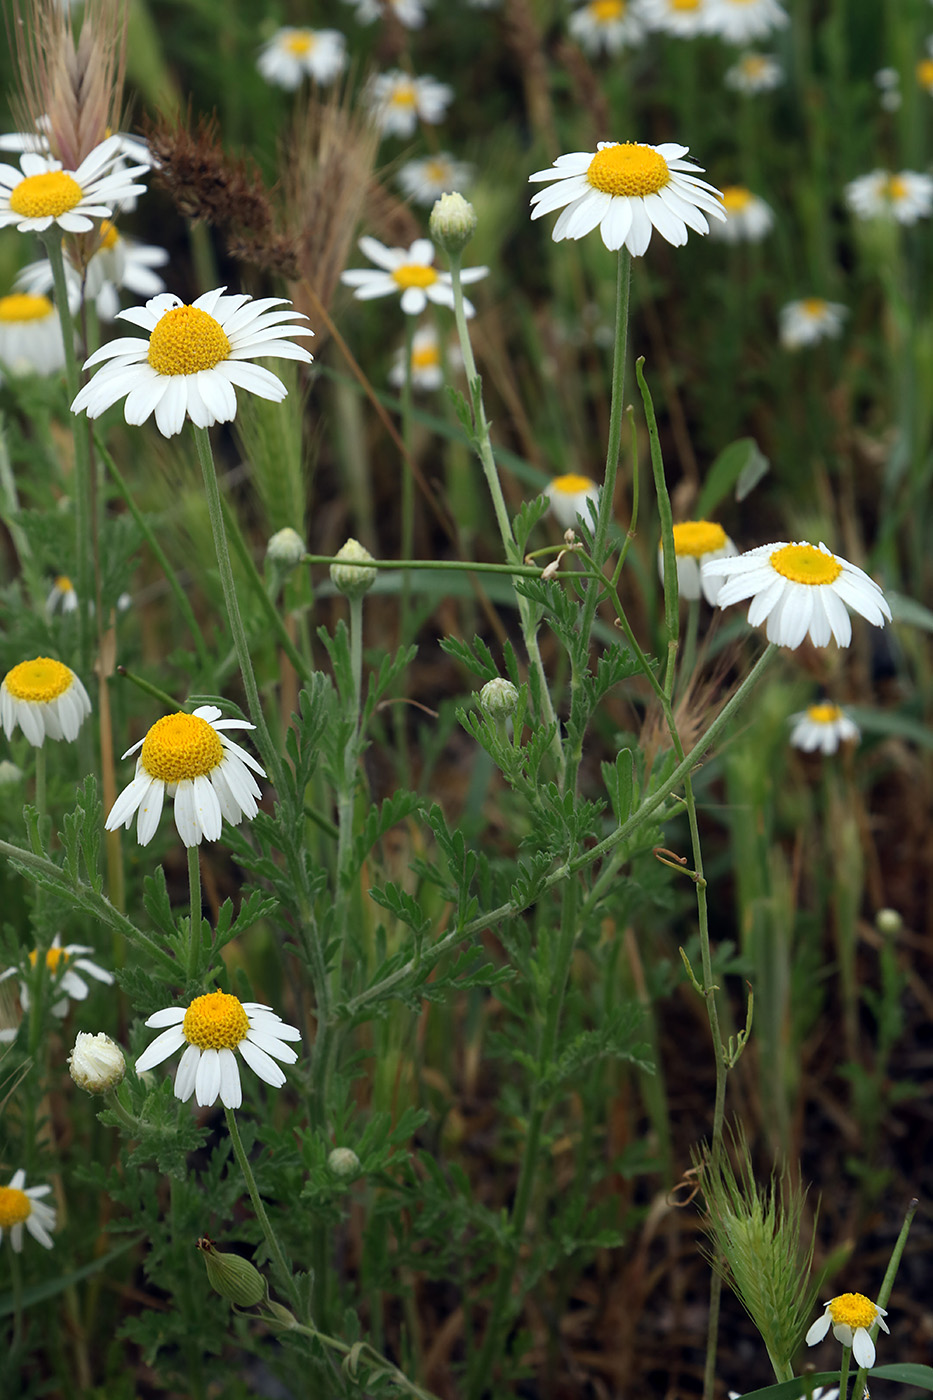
{"x": 452, "y": 223}
{"x": 9, "y": 773}
{"x": 96, "y": 1063}
{"x": 351, "y": 576}
{"x": 888, "y": 922}
{"x": 498, "y": 698}
{"x": 343, "y": 1162}
{"x": 233, "y": 1277}
{"x": 286, "y": 548}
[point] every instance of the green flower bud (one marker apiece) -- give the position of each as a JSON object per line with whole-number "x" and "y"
{"x": 278, "y": 1316}
{"x": 452, "y": 223}
{"x": 351, "y": 577}
{"x": 96, "y": 1063}
{"x": 233, "y": 1277}
{"x": 498, "y": 698}
{"x": 286, "y": 548}
{"x": 343, "y": 1162}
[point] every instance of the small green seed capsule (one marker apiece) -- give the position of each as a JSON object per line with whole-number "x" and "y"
{"x": 233, "y": 1277}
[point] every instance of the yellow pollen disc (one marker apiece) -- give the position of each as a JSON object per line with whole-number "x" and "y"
{"x": 108, "y": 235}
{"x": 895, "y": 188}
{"x": 925, "y": 72}
{"x": 804, "y": 563}
{"x": 63, "y": 584}
{"x": 605, "y": 11}
{"x": 425, "y": 359}
{"x": 403, "y": 96}
{"x": 38, "y": 196}
{"x": 185, "y": 341}
{"x": 824, "y": 714}
{"x": 20, "y": 306}
{"x": 41, "y": 681}
{"x": 571, "y": 484}
{"x": 415, "y": 275}
{"x": 736, "y": 198}
{"x": 181, "y": 746}
{"x": 685, "y": 4}
{"x": 753, "y": 65}
{"x": 15, "y": 1207}
{"x": 216, "y": 1021}
{"x": 814, "y": 306}
{"x": 698, "y": 537}
{"x": 629, "y": 169}
{"x": 53, "y": 957}
{"x": 300, "y": 43}
{"x": 853, "y": 1310}
{"x": 437, "y": 171}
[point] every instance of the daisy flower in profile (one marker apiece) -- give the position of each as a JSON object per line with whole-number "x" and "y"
{"x": 427, "y": 370}
{"x": 192, "y": 359}
{"x": 45, "y": 698}
{"x": 906, "y": 197}
{"x": 606, "y": 26}
{"x": 754, "y": 73}
{"x": 820, "y": 1393}
{"x": 685, "y": 19}
{"x": 41, "y": 193}
{"x": 211, "y": 1029}
{"x": 119, "y": 263}
{"x": 809, "y": 321}
{"x": 398, "y": 102}
{"x": 568, "y": 495}
{"x": 63, "y": 967}
{"x": 748, "y": 217}
{"x": 410, "y": 271}
{"x": 294, "y": 54}
{"x": 799, "y": 589}
{"x": 62, "y": 596}
{"x": 21, "y": 1207}
{"x": 741, "y": 21}
{"x": 426, "y": 180}
{"x": 851, "y": 1316}
{"x": 190, "y": 758}
{"x": 409, "y": 13}
{"x": 823, "y": 727}
{"x": 30, "y": 336}
{"x": 695, "y": 541}
{"x": 627, "y": 190}
{"x": 924, "y": 72}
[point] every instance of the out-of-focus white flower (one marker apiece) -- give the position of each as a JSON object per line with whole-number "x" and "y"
{"x": 695, "y": 541}
{"x": 41, "y": 193}
{"x": 743, "y": 21}
{"x": 45, "y": 698}
{"x": 30, "y": 336}
{"x": 748, "y": 217}
{"x": 424, "y": 180}
{"x": 409, "y": 13}
{"x": 823, "y": 727}
{"x": 398, "y": 102}
{"x": 568, "y": 495}
{"x": 63, "y": 967}
{"x": 294, "y": 54}
{"x": 685, "y": 19}
{"x": 754, "y": 73}
{"x": 809, "y": 321}
{"x": 906, "y": 197}
{"x": 21, "y": 1206}
{"x": 118, "y": 263}
{"x": 62, "y": 596}
{"x": 606, "y": 26}
{"x": 410, "y": 271}
{"x": 427, "y": 370}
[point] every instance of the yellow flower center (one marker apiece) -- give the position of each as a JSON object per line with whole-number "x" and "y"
{"x": 571, "y": 485}
{"x": 630, "y": 169}
{"x": 895, "y": 188}
{"x": 736, "y": 198}
{"x": 402, "y": 96}
{"x": 40, "y": 681}
{"x": 685, "y": 4}
{"x": 181, "y": 746}
{"x": 814, "y": 306}
{"x": 698, "y": 537}
{"x": 20, "y": 306}
{"x": 108, "y": 235}
{"x": 753, "y": 65}
{"x": 15, "y": 1207}
{"x": 426, "y": 358}
{"x": 437, "y": 171}
{"x": 216, "y": 1021}
{"x": 63, "y": 584}
{"x": 300, "y": 43}
{"x": 804, "y": 563}
{"x": 415, "y": 275}
{"x": 185, "y": 341}
{"x": 824, "y": 714}
{"x": 925, "y": 72}
{"x": 53, "y": 957}
{"x": 605, "y": 11}
{"x": 53, "y": 193}
{"x": 853, "y": 1310}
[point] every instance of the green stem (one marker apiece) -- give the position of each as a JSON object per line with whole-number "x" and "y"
{"x": 844, "y": 1373}
{"x": 361, "y": 1351}
{"x": 408, "y": 485}
{"x": 286, "y": 1278}
{"x": 194, "y": 926}
{"x": 668, "y": 554}
{"x": 885, "y": 1291}
{"x": 254, "y": 580}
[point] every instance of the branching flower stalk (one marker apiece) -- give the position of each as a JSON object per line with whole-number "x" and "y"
{"x": 286, "y": 1278}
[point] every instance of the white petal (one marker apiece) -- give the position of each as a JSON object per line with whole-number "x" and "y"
{"x": 207, "y": 1080}
{"x": 161, "y": 1048}
{"x": 262, "y": 1064}
{"x": 168, "y": 1016}
{"x": 187, "y": 1073}
{"x": 231, "y": 1092}
{"x": 271, "y": 1045}
{"x": 863, "y": 1348}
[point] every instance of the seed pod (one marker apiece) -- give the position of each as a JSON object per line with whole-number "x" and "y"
{"x": 233, "y": 1277}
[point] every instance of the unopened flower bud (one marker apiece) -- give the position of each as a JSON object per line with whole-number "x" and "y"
{"x": 9, "y": 773}
{"x": 498, "y": 698}
{"x": 278, "y": 1316}
{"x": 286, "y": 548}
{"x": 233, "y": 1277}
{"x": 452, "y": 223}
{"x": 343, "y": 1162}
{"x": 889, "y": 922}
{"x": 351, "y": 576}
{"x": 96, "y": 1063}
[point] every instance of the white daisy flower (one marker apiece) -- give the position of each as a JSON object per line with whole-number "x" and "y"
{"x": 906, "y": 197}
{"x": 924, "y": 72}
{"x": 294, "y": 54}
{"x": 748, "y": 217}
{"x": 41, "y": 193}
{"x": 568, "y": 495}
{"x": 606, "y": 26}
{"x": 754, "y": 73}
{"x": 45, "y": 698}
{"x": 427, "y": 371}
{"x": 188, "y": 757}
{"x": 809, "y": 321}
{"x": 409, "y": 13}
{"x": 193, "y": 360}
{"x": 742, "y": 21}
{"x": 119, "y": 263}
{"x": 211, "y": 1029}
{"x": 426, "y": 180}
{"x": 398, "y": 102}
{"x": 685, "y": 19}
{"x": 62, "y": 596}
{"x": 30, "y": 336}
{"x": 63, "y": 967}
{"x": 21, "y": 1206}
{"x": 799, "y": 589}
{"x": 695, "y": 541}
{"x": 409, "y": 271}
{"x": 823, "y": 727}
{"x": 851, "y": 1315}
{"x": 627, "y": 190}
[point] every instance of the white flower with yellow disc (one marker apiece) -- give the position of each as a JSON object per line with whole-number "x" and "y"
{"x": 685, "y": 19}
{"x": 193, "y": 359}
{"x": 63, "y": 967}
{"x": 41, "y": 193}
{"x": 190, "y": 758}
{"x": 851, "y": 1316}
{"x": 606, "y": 25}
{"x": 293, "y": 54}
{"x": 823, "y": 727}
{"x": 398, "y": 102}
{"x": 410, "y": 271}
{"x": 809, "y": 321}
{"x": 22, "y": 1207}
{"x": 45, "y": 698}
{"x": 568, "y": 496}
{"x": 905, "y": 196}
{"x": 748, "y": 217}
{"x": 427, "y": 179}
{"x": 754, "y": 73}
{"x": 30, "y": 336}
{"x": 696, "y": 541}
{"x": 211, "y": 1029}
{"x": 118, "y": 263}
{"x": 740, "y": 21}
